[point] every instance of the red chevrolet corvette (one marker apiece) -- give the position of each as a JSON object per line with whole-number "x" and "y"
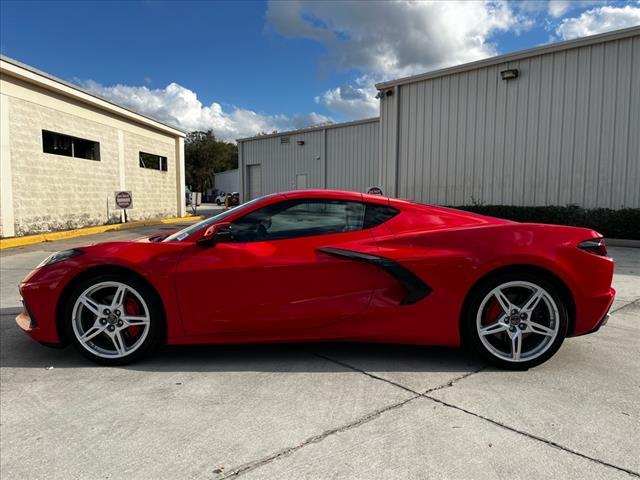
{"x": 328, "y": 265}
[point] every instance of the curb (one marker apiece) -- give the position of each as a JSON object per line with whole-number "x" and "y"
{"x": 622, "y": 242}
{"x": 14, "y": 242}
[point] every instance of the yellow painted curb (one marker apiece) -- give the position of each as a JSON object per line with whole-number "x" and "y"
{"x": 79, "y": 232}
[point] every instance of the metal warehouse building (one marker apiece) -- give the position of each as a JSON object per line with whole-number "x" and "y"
{"x": 553, "y": 125}
{"x": 338, "y": 156}
{"x": 228, "y": 181}
{"x": 65, "y": 152}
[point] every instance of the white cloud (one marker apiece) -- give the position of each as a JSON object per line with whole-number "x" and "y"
{"x": 395, "y": 38}
{"x": 598, "y": 20}
{"x": 354, "y": 101}
{"x": 557, "y": 8}
{"x": 180, "y": 106}
{"x": 385, "y": 40}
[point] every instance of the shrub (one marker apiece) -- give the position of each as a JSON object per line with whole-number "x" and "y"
{"x": 623, "y": 223}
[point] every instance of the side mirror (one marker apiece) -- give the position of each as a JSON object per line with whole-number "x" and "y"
{"x": 219, "y": 232}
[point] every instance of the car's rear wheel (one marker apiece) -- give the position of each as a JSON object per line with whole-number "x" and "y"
{"x": 516, "y": 321}
{"x": 113, "y": 319}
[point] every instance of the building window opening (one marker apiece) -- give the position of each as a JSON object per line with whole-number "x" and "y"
{"x": 154, "y": 162}
{"x": 68, "y": 146}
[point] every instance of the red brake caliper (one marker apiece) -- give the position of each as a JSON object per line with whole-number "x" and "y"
{"x": 492, "y": 313}
{"x": 132, "y": 308}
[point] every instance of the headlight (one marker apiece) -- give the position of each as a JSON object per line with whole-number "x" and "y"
{"x": 59, "y": 257}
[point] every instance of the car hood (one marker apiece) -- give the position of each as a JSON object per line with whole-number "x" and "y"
{"x": 155, "y": 237}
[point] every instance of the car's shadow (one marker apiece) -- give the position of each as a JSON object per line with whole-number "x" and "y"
{"x": 17, "y": 350}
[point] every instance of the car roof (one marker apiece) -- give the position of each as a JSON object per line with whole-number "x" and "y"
{"x": 336, "y": 194}
{"x": 342, "y": 194}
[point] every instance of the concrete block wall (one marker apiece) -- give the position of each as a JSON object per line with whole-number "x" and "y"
{"x": 154, "y": 191}
{"x": 46, "y": 192}
{"x": 54, "y": 192}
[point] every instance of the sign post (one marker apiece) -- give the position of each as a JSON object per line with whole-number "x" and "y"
{"x": 124, "y": 200}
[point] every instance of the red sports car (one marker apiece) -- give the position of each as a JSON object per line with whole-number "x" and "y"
{"x": 328, "y": 265}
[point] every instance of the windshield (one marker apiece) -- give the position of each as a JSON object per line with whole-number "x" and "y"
{"x": 185, "y": 232}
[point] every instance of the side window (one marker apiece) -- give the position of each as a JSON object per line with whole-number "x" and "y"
{"x": 299, "y": 218}
{"x": 378, "y": 214}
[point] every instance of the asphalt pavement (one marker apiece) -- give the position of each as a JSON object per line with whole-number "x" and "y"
{"x": 319, "y": 411}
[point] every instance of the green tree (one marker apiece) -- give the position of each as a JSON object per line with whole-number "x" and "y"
{"x": 205, "y": 156}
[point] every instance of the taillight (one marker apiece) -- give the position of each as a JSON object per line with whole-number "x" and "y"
{"x": 595, "y": 245}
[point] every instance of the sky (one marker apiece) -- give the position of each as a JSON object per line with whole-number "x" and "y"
{"x": 243, "y": 68}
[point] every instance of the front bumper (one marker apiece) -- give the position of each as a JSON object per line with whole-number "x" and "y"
{"x": 27, "y": 323}
{"x": 24, "y": 322}
{"x": 38, "y": 316}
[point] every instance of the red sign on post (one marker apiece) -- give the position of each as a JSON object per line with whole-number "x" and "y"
{"x": 124, "y": 200}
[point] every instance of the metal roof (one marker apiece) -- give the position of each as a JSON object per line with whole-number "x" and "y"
{"x": 311, "y": 129}
{"x": 511, "y": 57}
{"x": 145, "y": 119}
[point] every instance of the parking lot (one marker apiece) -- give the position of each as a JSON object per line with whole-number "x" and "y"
{"x": 322, "y": 411}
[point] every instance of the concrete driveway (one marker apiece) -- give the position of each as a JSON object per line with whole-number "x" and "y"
{"x": 320, "y": 410}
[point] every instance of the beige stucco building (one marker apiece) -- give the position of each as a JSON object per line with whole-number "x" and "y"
{"x": 65, "y": 152}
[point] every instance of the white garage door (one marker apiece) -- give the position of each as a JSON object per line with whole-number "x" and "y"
{"x": 254, "y": 181}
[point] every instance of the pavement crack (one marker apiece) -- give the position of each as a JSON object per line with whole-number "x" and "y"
{"x": 454, "y": 381}
{"x": 364, "y": 372}
{"x": 247, "y": 467}
{"x": 533, "y": 436}
{"x": 482, "y": 417}
{"x": 396, "y": 384}
{"x": 622, "y": 307}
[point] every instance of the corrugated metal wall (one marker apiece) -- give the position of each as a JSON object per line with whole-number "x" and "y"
{"x": 338, "y": 156}
{"x": 281, "y": 162}
{"x": 228, "y": 181}
{"x": 566, "y": 131}
{"x": 352, "y": 156}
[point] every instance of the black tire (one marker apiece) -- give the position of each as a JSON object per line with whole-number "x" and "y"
{"x": 471, "y": 336}
{"x": 218, "y": 202}
{"x": 156, "y": 330}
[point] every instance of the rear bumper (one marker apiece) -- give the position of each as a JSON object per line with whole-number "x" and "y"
{"x": 602, "y": 322}
{"x": 593, "y": 313}
{"x": 599, "y": 325}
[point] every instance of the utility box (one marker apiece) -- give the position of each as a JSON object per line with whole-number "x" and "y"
{"x": 196, "y": 199}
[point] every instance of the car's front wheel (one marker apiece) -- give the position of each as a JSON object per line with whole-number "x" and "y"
{"x": 516, "y": 321}
{"x": 113, "y": 319}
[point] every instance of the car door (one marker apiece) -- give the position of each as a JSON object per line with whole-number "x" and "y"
{"x": 272, "y": 277}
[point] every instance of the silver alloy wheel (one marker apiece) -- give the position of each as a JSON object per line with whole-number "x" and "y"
{"x": 528, "y": 327}
{"x": 100, "y": 320}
